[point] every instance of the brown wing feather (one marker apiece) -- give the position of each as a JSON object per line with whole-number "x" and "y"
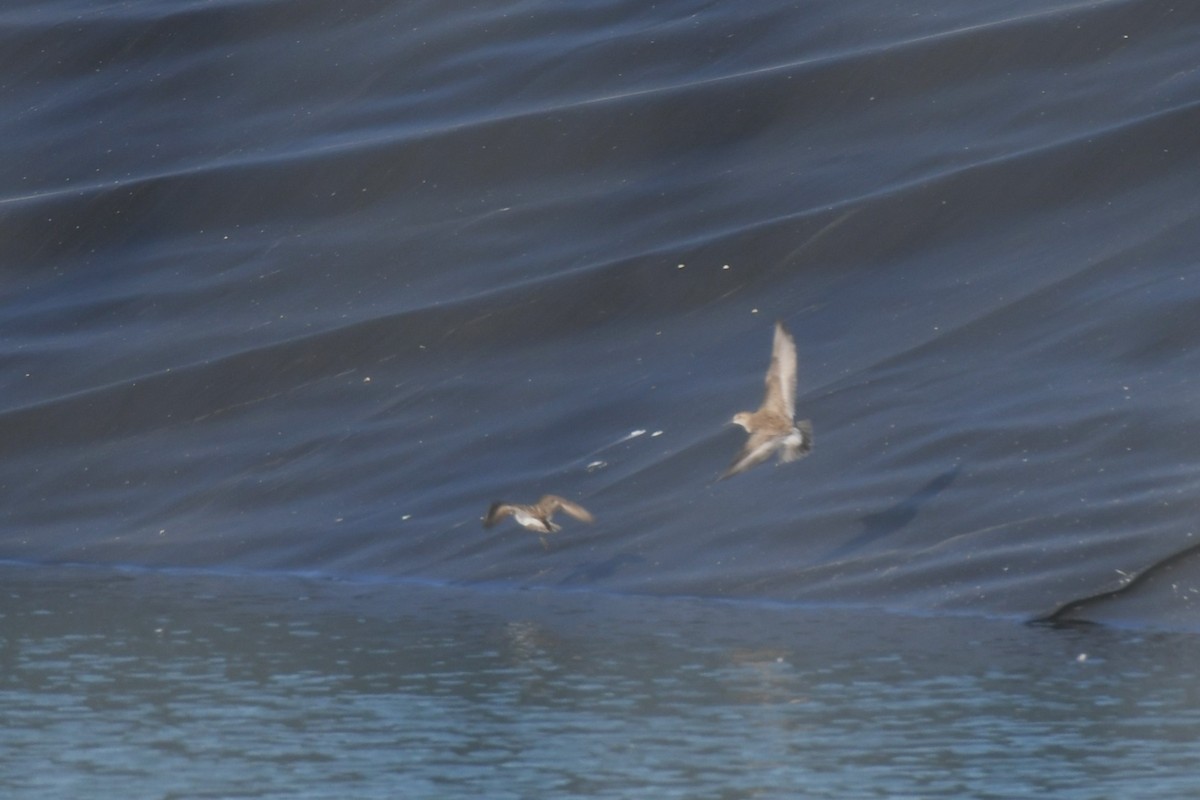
{"x": 553, "y": 502}
{"x": 781, "y": 376}
{"x": 496, "y": 512}
{"x": 758, "y": 448}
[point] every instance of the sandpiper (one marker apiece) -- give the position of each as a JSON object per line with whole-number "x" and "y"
{"x": 772, "y": 428}
{"x": 537, "y": 516}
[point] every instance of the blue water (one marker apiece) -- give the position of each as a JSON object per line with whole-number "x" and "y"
{"x": 293, "y": 289}
{"x": 189, "y": 685}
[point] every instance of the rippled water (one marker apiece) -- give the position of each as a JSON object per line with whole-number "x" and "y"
{"x": 186, "y": 685}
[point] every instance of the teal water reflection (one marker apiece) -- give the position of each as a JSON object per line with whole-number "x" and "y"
{"x": 191, "y": 685}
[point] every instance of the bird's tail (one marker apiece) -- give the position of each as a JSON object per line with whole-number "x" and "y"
{"x": 794, "y": 450}
{"x": 805, "y": 428}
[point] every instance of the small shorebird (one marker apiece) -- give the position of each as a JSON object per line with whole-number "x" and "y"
{"x": 772, "y": 428}
{"x": 537, "y": 516}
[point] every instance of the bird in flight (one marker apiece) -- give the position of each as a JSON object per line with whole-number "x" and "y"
{"x": 537, "y": 517}
{"x": 772, "y": 428}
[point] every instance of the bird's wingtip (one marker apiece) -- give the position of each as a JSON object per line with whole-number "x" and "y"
{"x": 492, "y": 517}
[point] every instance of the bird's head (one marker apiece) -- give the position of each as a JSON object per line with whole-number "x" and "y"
{"x": 741, "y": 418}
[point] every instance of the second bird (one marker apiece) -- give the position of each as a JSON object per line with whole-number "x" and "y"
{"x": 772, "y": 427}
{"x": 536, "y": 517}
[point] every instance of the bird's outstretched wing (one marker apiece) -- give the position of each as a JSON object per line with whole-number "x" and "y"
{"x": 496, "y": 512}
{"x": 551, "y": 502}
{"x": 781, "y": 376}
{"x": 758, "y": 449}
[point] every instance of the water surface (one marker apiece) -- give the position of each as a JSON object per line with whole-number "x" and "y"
{"x": 188, "y": 685}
